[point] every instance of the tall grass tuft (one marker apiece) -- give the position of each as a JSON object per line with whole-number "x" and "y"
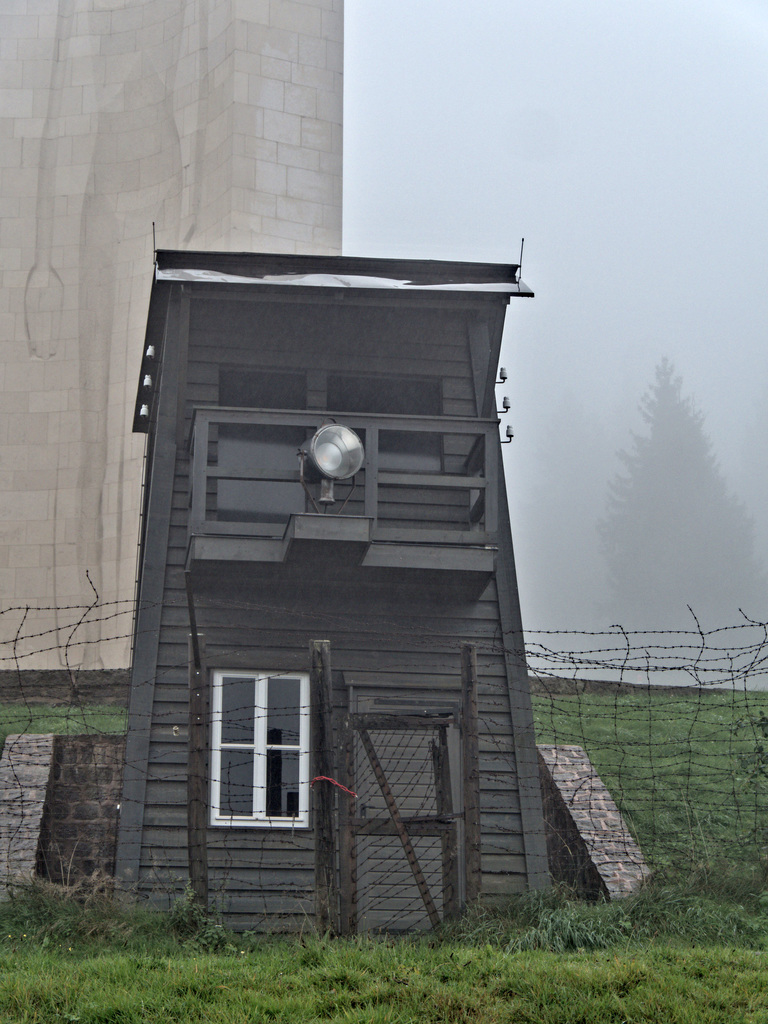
{"x": 557, "y": 921}
{"x": 88, "y": 914}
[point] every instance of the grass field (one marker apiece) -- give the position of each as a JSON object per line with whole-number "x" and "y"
{"x": 688, "y": 950}
{"x": 397, "y": 984}
{"x": 65, "y": 720}
{"x": 683, "y": 766}
{"x": 665, "y": 956}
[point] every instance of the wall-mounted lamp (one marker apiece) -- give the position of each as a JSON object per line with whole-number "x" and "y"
{"x": 336, "y": 453}
{"x": 144, "y": 412}
{"x": 510, "y": 435}
{"x": 502, "y": 376}
{"x": 150, "y": 353}
{"x": 147, "y": 382}
{"x": 504, "y": 406}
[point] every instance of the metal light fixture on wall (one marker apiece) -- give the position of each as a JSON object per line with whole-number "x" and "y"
{"x": 336, "y": 453}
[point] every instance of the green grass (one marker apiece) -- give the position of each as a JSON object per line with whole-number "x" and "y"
{"x": 66, "y": 720}
{"x": 378, "y": 982}
{"x": 667, "y": 954}
{"x": 687, "y": 951}
{"x": 680, "y": 769}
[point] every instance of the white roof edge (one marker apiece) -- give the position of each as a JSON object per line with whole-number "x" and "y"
{"x": 331, "y": 281}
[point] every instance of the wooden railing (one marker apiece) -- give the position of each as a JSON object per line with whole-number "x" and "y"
{"x": 451, "y": 498}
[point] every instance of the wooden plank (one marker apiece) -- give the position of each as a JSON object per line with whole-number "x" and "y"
{"x": 347, "y": 846}
{"x": 181, "y": 396}
{"x": 155, "y": 522}
{"x": 425, "y": 671}
{"x": 410, "y": 853}
{"x": 442, "y": 624}
{"x": 511, "y": 881}
{"x": 459, "y": 425}
{"x": 414, "y": 826}
{"x": 197, "y": 773}
{"x": 376, "y": 720}
{"x": 521, "y": 712}
{"x": 471, "y": 773}
{"x": 479, "y": 351}
{"x": 321, "y": 700}
{"x": 449, "y": 839}
{"x": 479, "y": 538}
{"x": 429, "y": 480}
{"x": 497, "y": 849}
{"x": 197, "y": 478}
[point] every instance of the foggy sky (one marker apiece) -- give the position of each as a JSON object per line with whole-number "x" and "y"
{"x": 628, "y": 145}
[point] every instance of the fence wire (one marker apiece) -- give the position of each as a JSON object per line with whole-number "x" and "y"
{"x": 675, "y": 723}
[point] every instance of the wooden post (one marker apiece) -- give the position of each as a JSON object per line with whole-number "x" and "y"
{"x": 347, "y": 851}
{"x": 444, "y": 806}
{"x": 321, "y": 700}
{"x": 471, "y": 772}
{"x": 197, "y": 775}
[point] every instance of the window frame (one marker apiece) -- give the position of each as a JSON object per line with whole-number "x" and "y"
{"x": 260, "y": 747}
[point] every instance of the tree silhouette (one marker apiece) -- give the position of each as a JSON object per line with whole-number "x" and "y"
{"x": 673, "y": 537}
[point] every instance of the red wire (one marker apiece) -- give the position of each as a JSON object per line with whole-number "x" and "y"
{"x": 327, "y": 778}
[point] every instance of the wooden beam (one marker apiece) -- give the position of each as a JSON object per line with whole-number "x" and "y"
{"x": 146, "y": 633}
{"x": 448, "y": 839}
{"x": 321, "y": 701}
{"x": 414, "y": 826}
{"x": 377, "y": 720}
{"x": 471, "y": 772}
{"x": 347, "y": 846}
{"x": 197, "y": 773}
{"x": 431, "y": 480}
{"x": 526, "y": 760}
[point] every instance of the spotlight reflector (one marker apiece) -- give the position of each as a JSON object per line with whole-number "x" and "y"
{"x": 336, "y": 451}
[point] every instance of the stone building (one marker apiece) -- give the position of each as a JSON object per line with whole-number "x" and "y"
{"x": 126, "y": 126}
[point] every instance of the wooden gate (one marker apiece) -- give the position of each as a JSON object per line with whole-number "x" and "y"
{"x": 399, "y": 840}
{"x": 407, "y": 768}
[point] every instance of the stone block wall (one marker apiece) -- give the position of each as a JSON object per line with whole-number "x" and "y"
{"x": 79, "y": 828}
{"x": 60, "y": 797}
{"x": 58, "y": 687}
{"x": 588, "y": 843}
{"x": 25, "y": 769}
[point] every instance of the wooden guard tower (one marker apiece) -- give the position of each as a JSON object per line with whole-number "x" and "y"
{"x": 330, "y": 712}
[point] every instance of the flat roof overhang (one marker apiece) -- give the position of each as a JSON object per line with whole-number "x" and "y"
{"x": 339, "y": 272}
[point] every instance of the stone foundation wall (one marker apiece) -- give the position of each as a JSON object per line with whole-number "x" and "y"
{"x": 588, "y": 843}
{"x": 25, "y": 770}
{"x": 79, "y": 829}
{"x": 60, "y": 796}
{"x": 59, "y": 687}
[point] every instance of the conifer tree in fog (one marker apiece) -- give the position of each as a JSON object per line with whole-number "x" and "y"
{"x": 673, "y": 535}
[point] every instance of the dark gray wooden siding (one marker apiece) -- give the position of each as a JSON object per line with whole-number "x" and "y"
{"x": 406, "y": 639}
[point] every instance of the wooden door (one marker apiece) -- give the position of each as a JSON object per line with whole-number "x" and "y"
{"x": 400, "y": 865}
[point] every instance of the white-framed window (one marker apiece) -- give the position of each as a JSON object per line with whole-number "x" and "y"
{"x": 260, "y": 749}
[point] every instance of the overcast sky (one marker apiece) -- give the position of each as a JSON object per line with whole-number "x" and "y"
{"x": 627, "y": 143}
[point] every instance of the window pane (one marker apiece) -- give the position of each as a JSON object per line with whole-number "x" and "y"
{"x": 237, "y": 711}
{"x": 236, "y": 782}
{"x": 282, "y": 784}
{"x": 409, "y": 451}
{"x": 283, "y": 708}
{"x": 262, "y": 451}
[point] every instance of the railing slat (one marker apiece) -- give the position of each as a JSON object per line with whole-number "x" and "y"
{"x": 430, "y": 480}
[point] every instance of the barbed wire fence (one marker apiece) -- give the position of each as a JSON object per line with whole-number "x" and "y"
{"x": 675, "y": 723}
